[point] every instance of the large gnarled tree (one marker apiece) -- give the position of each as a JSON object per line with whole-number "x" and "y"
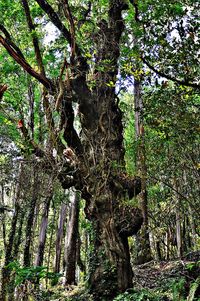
{"x": 93, "y": 161}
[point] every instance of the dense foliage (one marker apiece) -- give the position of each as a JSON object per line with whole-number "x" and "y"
{"x": 99, "y": 101}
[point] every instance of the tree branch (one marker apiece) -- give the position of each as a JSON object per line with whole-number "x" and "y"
{"x": 158, "y": 72}
{"x": 85, "y": 15}
{"x": 24, "y": 64}
{"x": 36, "y": 149}
{"x": 31, "y": 26}
{"x": 169, "y": 77}
{"x": 9, "y": 40}
{"x": 171, "y": 187}
{"x": 3, "y": 88}
{"x": 53, "y": 16}
{"x": 46, "y": 105}
{"x": 135, "y": 5}
{"x": 69, "y": 17}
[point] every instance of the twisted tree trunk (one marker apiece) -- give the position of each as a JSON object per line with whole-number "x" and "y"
{"x": 97, "y": 167}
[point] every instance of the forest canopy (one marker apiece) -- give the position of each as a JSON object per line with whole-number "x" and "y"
{"x": 99, "y": 136}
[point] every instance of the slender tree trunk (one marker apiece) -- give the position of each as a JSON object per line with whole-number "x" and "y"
{"x": 86, "y": 242}
{"x": 167, "y": 245}
{"x": 9, "y": 247}
{"x": 30, "y": 219}
{"x": 31, "y": 108}
{"x": 71, "y": 240}
{"x": 78, "y": 255}
{"x": 190, "y": 217}
{"x": 18, "y": 239}
{"x": 50, "y": 244}
{"x": 143, "y": 241}
{"x": 2, "y": 219}
{"x": 193, "y": 228}
{"x": 59, "y": 237}
{"x": 179, "y": 233}
{"x": 179, "y": 239}
{"x": 43, "y": 229}
{"x": 158, "y": 250}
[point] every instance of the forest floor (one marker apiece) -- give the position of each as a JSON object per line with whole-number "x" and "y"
{"x": 175, "y": 280}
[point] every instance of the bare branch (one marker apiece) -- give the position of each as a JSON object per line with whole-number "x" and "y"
{"x": 169, "y": 77}
{"x": 61, "y": 86}
{"x": 69, "y": 16}
{"x": 24, "y": 64}
{"x": 31, "y": 26}
{"x": 170, "y": 186}
{"x": 9, "y": 40}
{"x": 53, "y": 16}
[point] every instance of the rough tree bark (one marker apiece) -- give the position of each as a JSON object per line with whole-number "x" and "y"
{"x": 97, "y": 167}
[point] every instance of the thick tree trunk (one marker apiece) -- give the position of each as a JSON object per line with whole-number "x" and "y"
{"x": 71, "y": 241}
{"x": 100, "y": 172}
{"x": 105, "y": 185}
{"x": 110, "y": 268}
{"x": 107, "y": 189}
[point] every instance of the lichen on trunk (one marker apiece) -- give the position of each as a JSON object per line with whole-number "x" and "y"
{"x": 107, "y": 188}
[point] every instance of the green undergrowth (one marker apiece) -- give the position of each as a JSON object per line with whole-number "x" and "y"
{"x": 172, "y": 291}
{"x": 164, "y": 281}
